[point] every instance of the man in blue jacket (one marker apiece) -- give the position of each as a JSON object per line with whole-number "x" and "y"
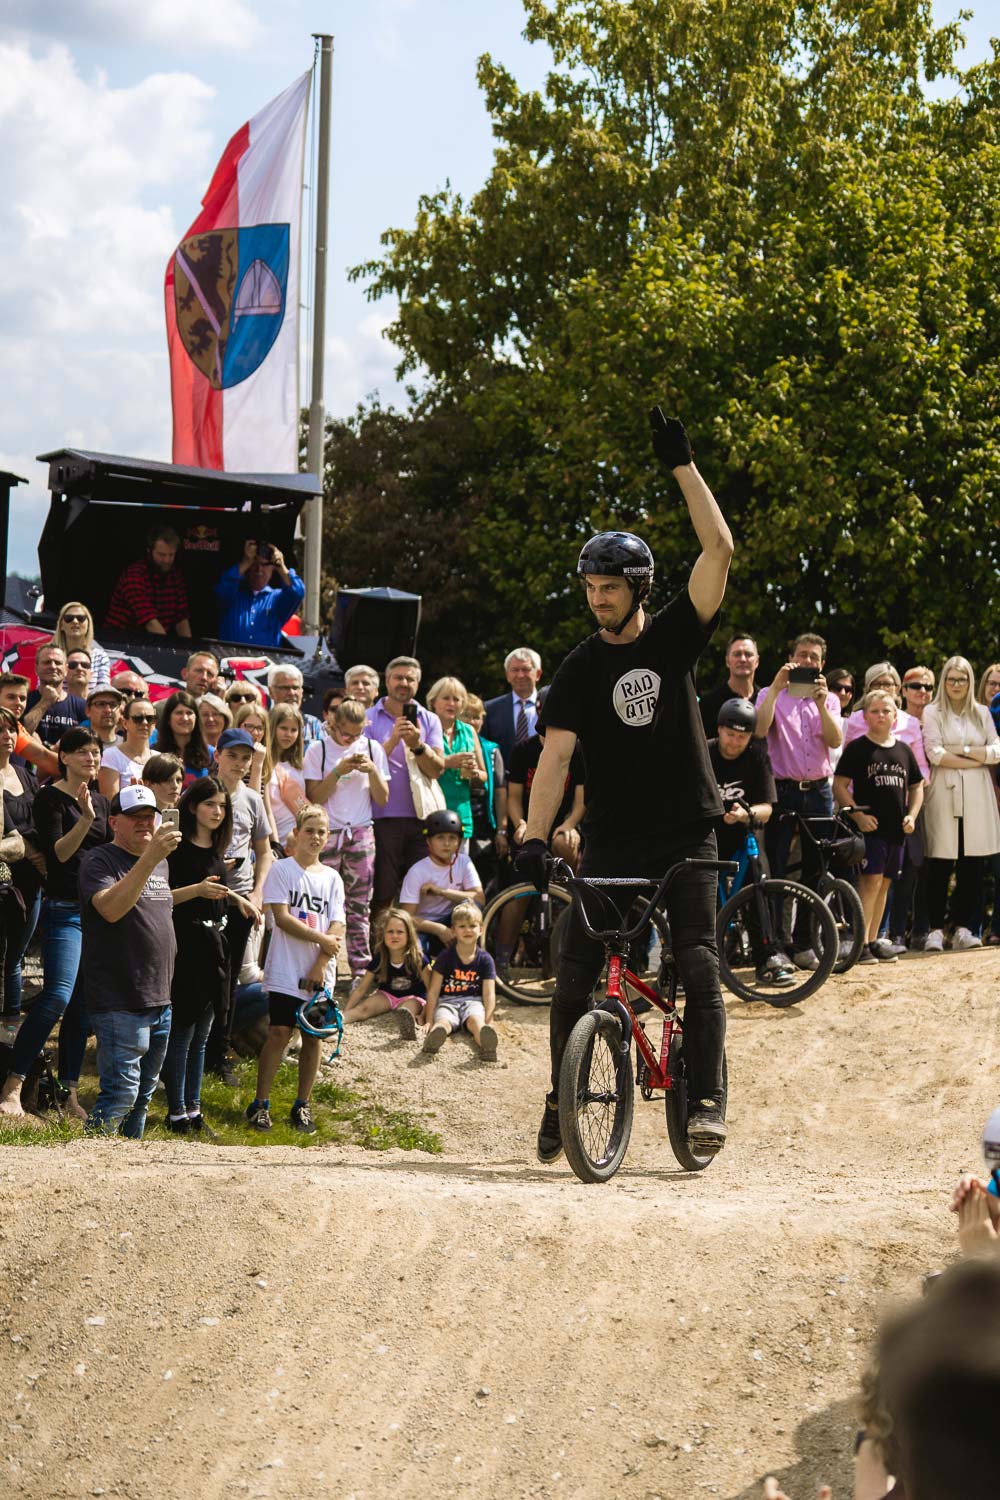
{"x": 253, "y": 609}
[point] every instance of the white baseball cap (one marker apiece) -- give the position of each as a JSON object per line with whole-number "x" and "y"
{"x": 132, "y": 799}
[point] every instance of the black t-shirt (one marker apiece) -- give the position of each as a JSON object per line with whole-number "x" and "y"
{"x": 60, "y": 717}
{"x": 128, "y": 964}
{"x": 56, "y": 812}
{"x": 881, "y": 775}
{"x": 748, "y": 776}
{"x": 188, "y": 865}
{"x": 635, "y": 713}
{"x": 399, "y": 981}
{"x": 524, "y": 760}
{"x": 19, "y": 815}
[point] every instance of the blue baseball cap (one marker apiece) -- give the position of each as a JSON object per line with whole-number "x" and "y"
{"x": 234, "y": 739}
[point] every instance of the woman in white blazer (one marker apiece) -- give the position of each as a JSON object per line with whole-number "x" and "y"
{"x": 961, "y": 821}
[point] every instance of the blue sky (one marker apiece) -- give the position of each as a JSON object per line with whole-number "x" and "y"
{"x": 111, "y": 121}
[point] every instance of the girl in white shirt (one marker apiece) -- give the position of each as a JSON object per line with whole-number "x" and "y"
{"x": 287, "y": 784}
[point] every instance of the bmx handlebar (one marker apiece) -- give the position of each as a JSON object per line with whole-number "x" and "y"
{"x": 622, "y": 936}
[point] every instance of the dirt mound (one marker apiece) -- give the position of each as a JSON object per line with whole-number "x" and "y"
{"x": 185, "y": 1321}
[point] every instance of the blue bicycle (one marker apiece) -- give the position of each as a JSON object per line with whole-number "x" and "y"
{"x": 754, "y": 911}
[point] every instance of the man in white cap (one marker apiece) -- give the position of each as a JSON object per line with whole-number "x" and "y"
{"x": 126, "y": 908}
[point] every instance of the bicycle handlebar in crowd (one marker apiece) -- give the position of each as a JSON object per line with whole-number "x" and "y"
{"x": 561, "y": 871}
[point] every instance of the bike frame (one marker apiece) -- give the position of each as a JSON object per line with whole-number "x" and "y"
{"x": 620, "y": 977}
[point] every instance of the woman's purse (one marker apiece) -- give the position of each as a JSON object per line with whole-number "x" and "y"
{"x": 427, "y": 795}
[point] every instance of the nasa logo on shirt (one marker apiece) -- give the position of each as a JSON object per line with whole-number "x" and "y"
{"x": 635, "y": 697}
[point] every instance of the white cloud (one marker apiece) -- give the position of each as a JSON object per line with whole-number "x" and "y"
{"x": 185, "y": 25}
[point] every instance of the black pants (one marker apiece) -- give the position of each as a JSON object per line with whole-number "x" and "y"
{"x": 691, "y": 907}
{"x": 399, "y": 843}
{"x": 237, "y": 931}
{"x": 967, "y": 898}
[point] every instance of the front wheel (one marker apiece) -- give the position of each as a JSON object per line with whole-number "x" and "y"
{"x": 596, "y": 1097}
{"x": 676, "y": 1101}
{"x": 747, "y": 931}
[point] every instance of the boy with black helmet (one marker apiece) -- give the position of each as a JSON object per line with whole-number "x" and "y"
{"x": 444, "y": 879}
{"x": 627, "y": 695}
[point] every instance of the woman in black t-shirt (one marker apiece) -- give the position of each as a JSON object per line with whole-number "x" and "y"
{"x": 21, "y": 906}
{"x": 200, "y": 988}
{"x": 70, "y": 818}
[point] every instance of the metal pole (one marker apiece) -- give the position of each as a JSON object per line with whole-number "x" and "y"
{"x": 313, "y": 526}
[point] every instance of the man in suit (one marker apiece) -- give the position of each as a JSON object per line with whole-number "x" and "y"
{"x": 510, "y": 719}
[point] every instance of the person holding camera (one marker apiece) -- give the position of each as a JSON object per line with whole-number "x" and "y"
{"x": 800, "y": 719}
{"x": 254, "y": 609}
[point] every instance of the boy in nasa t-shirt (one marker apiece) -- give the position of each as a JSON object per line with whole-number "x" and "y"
{"x": 306, "y": 901}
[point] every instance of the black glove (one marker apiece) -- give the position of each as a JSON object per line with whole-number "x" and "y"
{"x": 532, "y": 863}
{"x": 670, "y": 442}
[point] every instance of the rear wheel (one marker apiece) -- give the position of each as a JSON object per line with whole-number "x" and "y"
{"x": 596, "y": 1097}
{"x": 743, "y": 932}
{"x": 849, "y": 915}
{"x": 522, "y": 928}
{"x": 676, "y": 1102}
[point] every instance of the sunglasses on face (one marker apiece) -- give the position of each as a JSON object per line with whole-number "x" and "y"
{"x": 74, "y": 619}
{"x": 78, "y": 662}
{"x": 141, "y": 719}
{"x": 132, "y": 693}
{"x": 242, "y": 698}
{"x": 845, "y": 687}
{"x": 919, "y": 687}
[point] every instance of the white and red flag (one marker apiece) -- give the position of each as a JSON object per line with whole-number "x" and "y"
{"x": 232, "y": 301}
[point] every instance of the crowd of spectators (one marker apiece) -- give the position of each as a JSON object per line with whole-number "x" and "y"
{"x": 421, "y": 805}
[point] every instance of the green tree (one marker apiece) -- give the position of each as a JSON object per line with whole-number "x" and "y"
{"x": 755, "y": 214}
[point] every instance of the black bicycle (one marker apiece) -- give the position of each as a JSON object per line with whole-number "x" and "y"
{"x": 596, "y": 1080}
{"x": 838, "y": 849}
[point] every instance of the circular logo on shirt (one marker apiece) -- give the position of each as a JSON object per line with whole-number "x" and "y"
{"x": 635, "y": 697}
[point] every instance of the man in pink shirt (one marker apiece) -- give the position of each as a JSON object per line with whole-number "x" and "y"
{"x": 800, "y": 733}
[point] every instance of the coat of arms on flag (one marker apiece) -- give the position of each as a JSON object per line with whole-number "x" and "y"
{"x": 229, "y": 290}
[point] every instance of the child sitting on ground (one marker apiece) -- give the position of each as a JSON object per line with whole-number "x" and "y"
{"x": 434, "y": 885}
{"x": 306, "y": 901}
{"x": 397, "y": 976}
{"x": 462, "y": 989}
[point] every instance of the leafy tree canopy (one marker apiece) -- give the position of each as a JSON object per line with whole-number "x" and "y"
{"x": 755, "y": 214}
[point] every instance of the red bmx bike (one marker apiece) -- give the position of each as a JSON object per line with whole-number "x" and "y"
{"x": 596, "y": 1080}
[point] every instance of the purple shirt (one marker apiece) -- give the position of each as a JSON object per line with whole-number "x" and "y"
{"x": 380, "y": 724}
{"x": 795, "y": 739}
{"x": 906, "y": 728}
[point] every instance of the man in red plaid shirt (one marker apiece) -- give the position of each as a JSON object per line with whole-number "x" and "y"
{"x": 150, "y": 594}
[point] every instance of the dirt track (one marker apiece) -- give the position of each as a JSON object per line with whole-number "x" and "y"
{"x": 183, "y": 1322}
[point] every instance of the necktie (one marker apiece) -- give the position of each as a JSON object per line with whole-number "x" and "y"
{"x": 521, "y": 727}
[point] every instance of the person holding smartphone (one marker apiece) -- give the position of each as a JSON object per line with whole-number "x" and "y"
{"x": 800, "y": 719}
{"x": 402, "y": 726}
{"x": 253, "y": 608}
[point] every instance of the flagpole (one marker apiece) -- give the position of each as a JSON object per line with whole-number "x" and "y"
{"x": 313, "y": 520}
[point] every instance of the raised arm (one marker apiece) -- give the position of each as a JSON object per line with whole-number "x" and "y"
{"x": 707, "y": 584}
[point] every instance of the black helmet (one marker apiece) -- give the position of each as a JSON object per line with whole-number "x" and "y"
{"x": 738, "y": 713}
{"x": 442, "y": 820}
{"x": 619, "y": 554}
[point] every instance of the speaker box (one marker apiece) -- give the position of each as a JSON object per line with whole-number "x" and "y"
{"x": 373, "y": 626}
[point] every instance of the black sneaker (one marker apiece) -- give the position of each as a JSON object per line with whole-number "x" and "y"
{"x": 178, "y": 1127}
{"x": 706, "y": 1128}
{"x": 301, "y": 1119}
{"x": 196, "y": 1122}
{"x": 224, "y": 1068}
{"x": 259, "y": 1116}
{"x": 549, "y": 1135}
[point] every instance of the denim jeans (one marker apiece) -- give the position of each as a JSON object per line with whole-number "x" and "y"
{"x": 814, "y": 802}
{"x": 184, "y": 1063}
{"x": 60, "y": 969}
{"x": 130, "y": 1052}
{"x": 18, "y": 939}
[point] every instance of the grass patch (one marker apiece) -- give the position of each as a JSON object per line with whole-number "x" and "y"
{"x": 343, "y": 1116}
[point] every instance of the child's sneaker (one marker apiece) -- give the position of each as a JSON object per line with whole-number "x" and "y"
{"x": 964, "y": 939}
{"x": 259, "y": 1116}
{"x": 934, "y": 941}
{"x": 301, "y": 1119}
{"x": 488, "y": 1043}
{"x": 435, "y": 1038}
{"x": 407, "y": 1024}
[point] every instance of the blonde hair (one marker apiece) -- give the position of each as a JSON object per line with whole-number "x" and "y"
{"x": 943, "y": 703}
{"x": 470, "y": 911}
{"x": 442, "y": 685}
{"x": 994, "y": 666}
{"x": 59, "y": 634}
{"x": 879, "y": 695}
{"x": 244, "y": 685}
{"x": 295, "y": 754}
{"x": 311, "y": 810}
{"x": 350, "y": 711}
{"x": 413, "y": 957}
{"x": 474, "y": 707}
{"x": 257, "y": 710}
